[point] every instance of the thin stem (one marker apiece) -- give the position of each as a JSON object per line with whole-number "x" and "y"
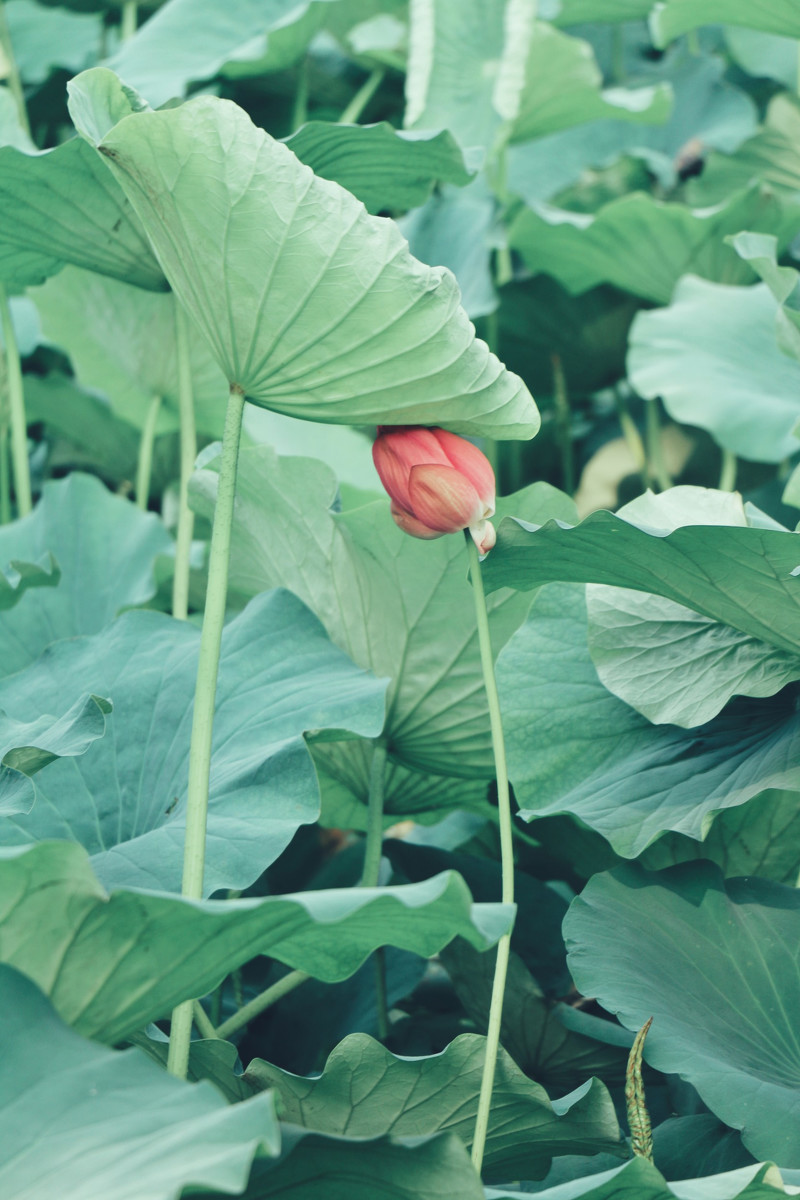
{"x": 300, "y": 106}
{"x": 144, "y": 467}
{"x": 205, "y": 1026}
{"x": 563, "y": 423}
{"x": 355, "y": 108}
{"x": 261, "y": 1003}
{"x": 655, "y": 447}
{"x": 5, "y": 477}
{"x": 188, "y": 454}
{"x": 506, "y": 854}
{"x": 16, "y": 409}
{"x": 194, "y": 853}
{"x": 374, "y": 839}
{"x": 727, "y": 475}
{"x": 130, "y": 20}
{"x": 14, "y": 81}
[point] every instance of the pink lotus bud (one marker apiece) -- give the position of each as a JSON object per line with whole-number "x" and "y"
{"x": 438, "y": 482}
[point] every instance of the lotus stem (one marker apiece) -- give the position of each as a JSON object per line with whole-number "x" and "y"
{"x": 14, "y": 81}
{"x": 144, "y": 467}
{"x": 129, "y": 21}
{"x": 261, "y": 1003}
{"x": 16, "y": 408}
{"x": 370, "y": 876}
{"x": 355, "y": 108}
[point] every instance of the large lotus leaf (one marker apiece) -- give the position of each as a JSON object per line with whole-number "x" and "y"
{"x": 285, "y": 46}
{"x": 106, "y": 549}
{"x": 43, "y": 41}
{"x": 713, "y": 358}
{"x": 705, "y": 106}
{"x": 122, "y": 341}
{"x": 318, "y": 1167}
{"x": 112, "y": 963}
{"x": 310, "y": 305}
{"x": 385, "y": 168}
{"x": 364, "y": 1091}
{"x": 575, "y": 748}
{"x": 399, "y": 606}
{"x": 63, "y": 204}
{"x": 77, "y": 1117}
{"x": 644, "y": 245}
{"x": 741, "y": 577}
{"x": 771, "y": 155}
{"x": 639, "y": 1180}
{"x": 723, "y": 1009}
{"x": 280, "y": 676}
{"x": 760, "y": 838}
{"x": 764, "y": 55}
{"x": 760, "y": 251}
{"x": 27, "y": 746}
{"x": 189, "y": 40}
{"x": 576, "y": 12}
{"x": 457, "y": 229}
{"x": 669, "y": 663}
{"x": 673, "y": 17}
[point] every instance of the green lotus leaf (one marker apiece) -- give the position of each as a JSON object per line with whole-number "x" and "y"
{"x": 673, "y": 17}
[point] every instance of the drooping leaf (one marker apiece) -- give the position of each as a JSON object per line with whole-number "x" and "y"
{"x": 122, "y": 341}
{"x": 671, "y": 664}
{"x": 93, "y": 948}
{"x": 673, "y": 17}
{"x": 723, "y": 1012}
{"x": 310, "y": 305}
{"x": 82, "y": 1115}
{"x": 761, "y": 252}
{"x": 385, "y": 168}
{"x": 399, "y": 606}
{"x": 744, "y": 578}
{"x": 713, "y": 358}
{"x": 639, "y": 1180}
{"x": 575, "y": 748}
{"x": 17, "y": 577}
{"x": 106, "y": 548}
{"x": 644, "y": 245}
{"x": 28, "y": 746}
{"x": 364, "y": 1091}
{"x": 280, "y": 676}
{"x": 62, "y": 206}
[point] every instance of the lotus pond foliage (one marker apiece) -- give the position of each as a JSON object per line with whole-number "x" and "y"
{"x": 343, "y": 864}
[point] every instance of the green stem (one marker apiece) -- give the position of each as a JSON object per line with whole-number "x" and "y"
{"x": 5, "y": 477}
{"x": 205, "y": 1026}
{"x": 188, "y": 454}
{"x": 727, "y": 475}
{"x": 144, "y": 467}
{"x": 16, "y": 409}
{"x": 129, "y": 20}
{"x": 194, "y": 854}
{"x": 506, "y": 854}
{"x": 14, "y": 81}
{"x": 374, "y": 840}
{"x": 655, "y": 448}
{"x": 261, "y": 1003}
{"x": 563, "y": 423}
{"x": 355, "y": 108}
{"x": 300, "y": 106}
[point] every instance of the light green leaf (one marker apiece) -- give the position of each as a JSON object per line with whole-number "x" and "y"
{"x": 28, "y": 746}
{"x": 310, "y": 306}
{"x": 43, "y": 40}
{"x": 639, "y": 1180}
{"x": 771, "y": 155}
{"x": 644, "y": 245}
{"x": 283, "y": 47}
{"x": 62, "y": 205}
{"x": 713, "y": 358}
{"x": 669, "y": 663}
{"x": 189, "y": 40}
{"x": 576, "y": 12}
{"x": 575, "y": 748}
{"x": 93, "y": 947}
{"x": 764, "y": 55}
{"x": 344, "y": 450}
{"x": 761, "y": 251}
{"x": 384, "y": 168}
{"x": 106, "y": 549}
{"x": 401, "y": 607}
{"x": 122, "y": 341}
{"x": 16, "y": 577}
{"x": 11, "y": 132}
{"x": 126, "y": 803}
{"x": 723, "y": 1014}
{"x": 82, "y": 1114}
{"x": 364, "y": 1091}
{"x": 673, "y": 17}
{"x": 744, "y": 578}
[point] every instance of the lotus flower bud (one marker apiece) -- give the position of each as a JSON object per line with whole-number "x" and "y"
{"x": 438, "y": 482}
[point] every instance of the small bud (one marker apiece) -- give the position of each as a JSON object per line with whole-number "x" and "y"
{"x": 438, "y": 482}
